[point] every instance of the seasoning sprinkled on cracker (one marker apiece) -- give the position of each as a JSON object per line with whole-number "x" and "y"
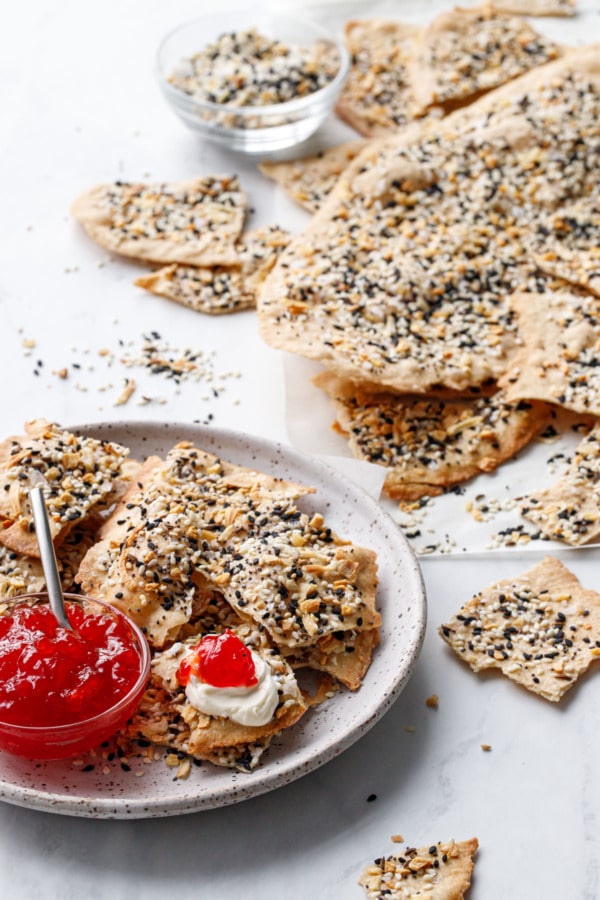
{"x": 540, "y": 629}
{"x": 221, "y": 289}
{"x": 430, "y": 444}
{"x": 310, "y": 179}
{"x": 465, "y": 52}
{"x": 402, "y": 278}
{"x": 377, "y": 98}
{"x": 194, "y": 222}
{"x": 558, "y": 359}
{"x": 440, "y": 871}
{"x": 80, "y": 476}
{"x": 569, "y": 510}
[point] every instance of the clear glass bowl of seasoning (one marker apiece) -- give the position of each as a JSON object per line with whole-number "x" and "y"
{"x": 252, "y": 81}
{"x": 64, "y": 691}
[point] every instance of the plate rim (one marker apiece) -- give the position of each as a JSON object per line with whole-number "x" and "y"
{"x": 261, "y": 780}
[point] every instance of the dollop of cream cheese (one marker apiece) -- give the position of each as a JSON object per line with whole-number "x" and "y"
{"x": 253, "y": 705}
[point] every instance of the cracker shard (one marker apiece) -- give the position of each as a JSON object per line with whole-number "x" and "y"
{"x": 541, "y": 629}
{"x": 431, "y": 443}
{"x": 440, "y": 871}
{"x": 80, "y": 477}
{"x": 216, "y": 290}
{"x": 194, "y": 222}
{"x": 22, "y": 574}
{"x": 466, "y": 52}
{"x": 569, "y": 510}
{"x": 557, "y": 359}
{"x": 377, "y": 98}
{"x": 310, "y": 179}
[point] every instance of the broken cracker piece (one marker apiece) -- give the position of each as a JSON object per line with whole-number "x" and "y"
{"x": 221, "y": 289}
{"x": 440, "y": 871}
{"x": 80, "y": 475}
{"x": 430, "y": 444}
{"x": 569, "y": 510}
{"x": 557, "y": 361}
{"x": 310, "y": 179}
{"x": 193, "y": 222}
{"x": 466, "y": 52}
{"x": 540, "y": 629}
{"x": 377, "y": 98}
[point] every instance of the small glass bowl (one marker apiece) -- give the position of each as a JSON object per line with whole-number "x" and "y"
{"x": 61, "y": 741}
{"x": 250, "y": 129}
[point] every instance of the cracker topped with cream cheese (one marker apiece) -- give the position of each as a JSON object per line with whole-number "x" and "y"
{"x": 216, "y": 731}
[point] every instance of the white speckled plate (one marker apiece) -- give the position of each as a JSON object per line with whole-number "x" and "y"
{"x": 102, "y": 788}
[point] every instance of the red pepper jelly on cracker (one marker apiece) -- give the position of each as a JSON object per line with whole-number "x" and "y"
{"x": 222, "y": 660}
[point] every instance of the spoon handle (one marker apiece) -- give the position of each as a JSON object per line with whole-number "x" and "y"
{"x": 48, "y": 556}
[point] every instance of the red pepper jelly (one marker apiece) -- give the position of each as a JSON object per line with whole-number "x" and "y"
{"x": 222, "y": 660}
{"x": 64, "y": 691}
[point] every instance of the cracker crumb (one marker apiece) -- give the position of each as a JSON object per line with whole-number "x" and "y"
{"x": 184, "y": 769}
{"x": 126, "y": 392}
{"x": 28, "y": 343}
{"x": 397, "y": 839}
{"x": 486, "y": 747}
{"x": 432, "y": 702}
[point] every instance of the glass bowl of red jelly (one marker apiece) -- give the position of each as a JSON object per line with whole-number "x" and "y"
{"x": 64, "y": 691}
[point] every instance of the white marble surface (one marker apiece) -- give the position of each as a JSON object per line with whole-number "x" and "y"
{"x": 80, "y": 106}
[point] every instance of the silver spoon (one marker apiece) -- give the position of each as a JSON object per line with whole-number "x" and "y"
{"x": 48, "y": 556}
